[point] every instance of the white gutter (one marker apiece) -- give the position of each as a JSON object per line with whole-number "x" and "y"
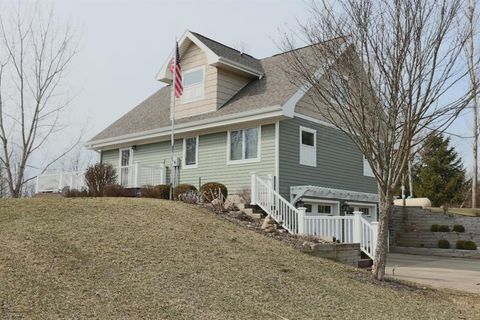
{"x": 242, "y": 67}
{"x": 209, "y": 123}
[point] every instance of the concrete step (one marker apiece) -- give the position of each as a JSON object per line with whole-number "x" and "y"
{"x": 247, "y": 211}
{"x": 256, "y": 216}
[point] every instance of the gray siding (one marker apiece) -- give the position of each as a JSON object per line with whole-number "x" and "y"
{"x": 212, "y": 159}
{"x": 339, "y": 162}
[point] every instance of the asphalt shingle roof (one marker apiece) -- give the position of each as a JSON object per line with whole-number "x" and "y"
{"x": 154, "y": 112}
{"x": 232, "y": 54}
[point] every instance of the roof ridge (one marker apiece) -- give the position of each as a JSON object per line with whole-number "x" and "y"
{"x": 213, "y": 40}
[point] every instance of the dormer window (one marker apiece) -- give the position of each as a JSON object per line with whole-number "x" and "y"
{"x": 193, "y": 84}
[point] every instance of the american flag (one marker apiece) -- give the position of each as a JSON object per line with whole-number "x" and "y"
{"x": 176, "y": 69}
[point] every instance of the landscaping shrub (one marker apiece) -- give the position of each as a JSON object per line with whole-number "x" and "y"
{"x": 74, "y": 193}
{"x": 189, "y": 197}
{"x": 116, "y": 190}
{"x": 470, "y": 245}
{"x": 461, "y": 244}
{"x": 98, "y": 176}
{"x": 443, "y": 228}
{"x": 434, "y": 228}
{"x": 183, "y": 189}
{"x": 210, "y": 191}
{"x": 458, "y": 228}
{"x": 443, "y": 244}
{"x": 161, "y": 191}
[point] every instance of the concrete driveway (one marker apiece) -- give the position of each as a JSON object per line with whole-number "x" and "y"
{"x": 441, "y": 272}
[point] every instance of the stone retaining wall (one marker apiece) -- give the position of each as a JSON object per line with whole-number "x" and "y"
{"x": 410, "y": 227}
{"x": 346, "y": 253}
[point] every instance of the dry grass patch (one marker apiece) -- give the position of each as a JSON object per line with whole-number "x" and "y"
{"x": 145, "y": 258}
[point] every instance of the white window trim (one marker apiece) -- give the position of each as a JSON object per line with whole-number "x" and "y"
{"x": 120, "y": 156}
{"x": 184, "y": 73}
{"x": 119, "y": 170}
{"x": 243, "y": 160}
{"x": 190, "y": 166}
{"x": 300, "y": 146}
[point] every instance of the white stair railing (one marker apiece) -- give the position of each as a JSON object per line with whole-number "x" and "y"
{"x": 344, "y": 229}
{"x": 368, "y": 236}
{"x": 263, "y": 195}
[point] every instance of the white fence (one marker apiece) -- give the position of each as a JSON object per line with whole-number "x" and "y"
{"x": 134, "y": 176}
{"x": 344, "y": 229}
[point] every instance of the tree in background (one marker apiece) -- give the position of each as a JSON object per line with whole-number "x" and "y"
{"x": 382, "y": 72}
{"x": 439, "y": 173}
{"x": 35, "y": 55}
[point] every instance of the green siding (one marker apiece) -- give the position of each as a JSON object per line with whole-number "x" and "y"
{"x": 212, "y": 159}
{"x": 339, "y": 162}
{"x": 110, "y": 156}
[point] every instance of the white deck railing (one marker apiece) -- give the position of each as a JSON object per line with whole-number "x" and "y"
{"x": 51, "y": 182}
{"x": 344, "y": 229}
{"x": 134, "y": 176}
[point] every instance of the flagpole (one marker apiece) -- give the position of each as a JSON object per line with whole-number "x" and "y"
{"x": 172, "y": 115}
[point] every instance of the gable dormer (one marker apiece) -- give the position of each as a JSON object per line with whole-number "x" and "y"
{"x": 212, "y": 74}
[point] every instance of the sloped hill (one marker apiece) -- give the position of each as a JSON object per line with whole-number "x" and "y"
{"x": 145, "y": 258}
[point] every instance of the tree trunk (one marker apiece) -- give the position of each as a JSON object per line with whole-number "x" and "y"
{"x": 475, "y": 151}
{"x": 410, "y": 178}
{"x": 380, "y": 261}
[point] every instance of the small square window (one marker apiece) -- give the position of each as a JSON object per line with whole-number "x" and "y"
{"x": 308, "y": 208}
{"x": 365, "y": 211}
{"x": 308, "y": 147}
{"x": 324, "y": 209}
{"x": 308, "y": 138}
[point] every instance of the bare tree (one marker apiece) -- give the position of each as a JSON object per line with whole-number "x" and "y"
{"x": 382, "y": 72}
{"x": 34, "y": 57}
{"x": 473, "y": 61}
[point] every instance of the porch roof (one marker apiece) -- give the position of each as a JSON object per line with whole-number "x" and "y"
{"x": 329, "y": 193}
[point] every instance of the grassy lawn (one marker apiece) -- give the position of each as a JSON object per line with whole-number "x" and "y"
{"x": 153, "y": 259}
{"x": 459, "y": 211}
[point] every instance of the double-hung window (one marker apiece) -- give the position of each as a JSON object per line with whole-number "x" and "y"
{"x": 308, "y": 147}
{"x": 244, "y": 145}
{"x": 193, "y": 84}
{"x": 190, "y": 152}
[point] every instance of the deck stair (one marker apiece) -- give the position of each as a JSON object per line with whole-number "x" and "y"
{"x": 254, "y": 212}
{"x": 345, "y": 229}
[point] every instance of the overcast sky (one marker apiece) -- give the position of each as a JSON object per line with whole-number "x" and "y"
{"x": 124, "y": 43}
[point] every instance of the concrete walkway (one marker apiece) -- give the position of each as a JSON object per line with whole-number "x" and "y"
{"x": 454, "y": 273}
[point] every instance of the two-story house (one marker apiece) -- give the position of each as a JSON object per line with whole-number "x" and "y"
{"x": 239, "y": 115}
